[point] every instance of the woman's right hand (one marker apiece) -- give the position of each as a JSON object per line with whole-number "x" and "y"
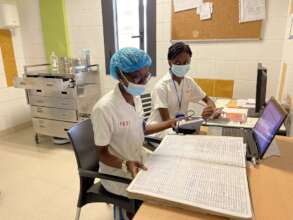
{"x": 134, "y": 167}
{"x": 207, "y": 111}
{"x": 172, "y": 122}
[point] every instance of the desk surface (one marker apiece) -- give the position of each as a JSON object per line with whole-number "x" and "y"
{"x": 271, "y": 185}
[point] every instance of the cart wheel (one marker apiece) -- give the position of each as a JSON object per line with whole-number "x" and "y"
{"x": 37, "y": 139}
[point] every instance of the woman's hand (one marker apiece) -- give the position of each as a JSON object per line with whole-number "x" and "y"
{"x": 172, "y": 123}
{"x": 160, "y": 126}
{"x": 207, "y": 111}
{"x": 134, "y": 167}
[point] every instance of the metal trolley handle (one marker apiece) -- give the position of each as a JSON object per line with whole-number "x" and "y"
{"x": 26, "y": 67}
{"x": 90, "y": 66}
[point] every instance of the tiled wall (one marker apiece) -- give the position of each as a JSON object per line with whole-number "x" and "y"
{"x": 288, "y": 59}
{"x": 13, "y": 107}
{"x": 31, "y": 30}
{"x": 231, "y": 60}
{"x": 86, "y": 31}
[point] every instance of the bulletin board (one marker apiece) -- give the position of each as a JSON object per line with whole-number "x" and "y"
{"x": 224, "y": 24}
{"x": 8, "y": 56}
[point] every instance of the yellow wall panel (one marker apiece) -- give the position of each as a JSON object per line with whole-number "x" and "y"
{"x": 8, "y": 56}
{"x": 206, "y": 85}
{"x": 224, "y": 88}
{"x": 216, "y": 87}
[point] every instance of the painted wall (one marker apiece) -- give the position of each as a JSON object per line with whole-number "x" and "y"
{"x": 288, "y": 59}
{"x": 86, "y": 31}
{"x": 231, "y": 60}
{"x": 13, "y": 107}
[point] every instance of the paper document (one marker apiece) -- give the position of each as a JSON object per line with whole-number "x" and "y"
{"x": 252, "y": 10}
{"x": 181, "y": 172}
{"x": 180, "y": 5}
{"x": 251, "y": 101}
{"x": 228, "y": 150}
{"x": 246, "y": 103}
{"x": 205, "y": 10}
{"x": 235, "y": 110}
{"x": 250, "y": 123}
{"x": 222, "y": 103}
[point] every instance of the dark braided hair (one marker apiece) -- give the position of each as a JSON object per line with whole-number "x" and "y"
{"x": 178, "y": 48}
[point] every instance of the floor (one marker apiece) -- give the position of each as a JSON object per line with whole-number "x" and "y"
{"x": 40, "y": 182}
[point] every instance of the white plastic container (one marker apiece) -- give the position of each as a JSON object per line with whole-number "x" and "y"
{"x": 54, "y": 62}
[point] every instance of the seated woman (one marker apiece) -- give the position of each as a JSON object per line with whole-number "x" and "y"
{"x": 119, "y": 128}
{"x": 173, "y": 93}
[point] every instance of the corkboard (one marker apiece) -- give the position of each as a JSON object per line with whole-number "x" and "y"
{"x": 224, "y": 25}
{"x": 8, "y": 56}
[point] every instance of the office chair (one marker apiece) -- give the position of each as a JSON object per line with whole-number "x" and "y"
{"x": 150, "y": 142}
{"x": 82, "y": 139}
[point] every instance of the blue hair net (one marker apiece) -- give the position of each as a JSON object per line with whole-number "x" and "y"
{"x": 128, "y": 59}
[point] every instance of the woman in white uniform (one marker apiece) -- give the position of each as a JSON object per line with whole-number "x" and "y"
{"x": 173, "y": 93}
{"x": 118, "y": 126}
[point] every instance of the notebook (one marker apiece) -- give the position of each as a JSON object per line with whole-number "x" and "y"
{"x": 200, "y": 173}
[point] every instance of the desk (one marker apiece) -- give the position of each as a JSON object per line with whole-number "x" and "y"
{"x": 271, "y": 185}
{"x": 230, "y": 103}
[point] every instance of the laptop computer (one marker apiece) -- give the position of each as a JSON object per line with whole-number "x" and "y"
{"x": 259, "y": 138}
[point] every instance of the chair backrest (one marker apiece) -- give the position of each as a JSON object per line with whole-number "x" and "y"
{"x": 146, "y": 101}
{"x": 82, "y": 139}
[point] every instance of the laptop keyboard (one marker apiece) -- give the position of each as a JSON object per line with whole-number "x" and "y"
{"x": 247, "y": 138}
{"x": 232, "y": 132}
{"x": 252, "y": 114}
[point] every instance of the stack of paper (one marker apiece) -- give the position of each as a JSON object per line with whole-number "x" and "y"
{"x": 201, "y": 173}
{"x": 222, "y": 103}
{"x": 250, "y": 123}
{"x": 246, "y": 103}
{"x": 235, "y": 114}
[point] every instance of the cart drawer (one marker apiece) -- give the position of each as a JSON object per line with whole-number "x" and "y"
{"x": 68, "y": 93}
{"x": 48, "y": 84}
{"x": 52, "y": 102}
{"x": 54, "y": 113}
{"x": 51, "y": 127}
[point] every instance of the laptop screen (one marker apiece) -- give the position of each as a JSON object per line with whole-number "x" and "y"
{"x": 268, "y": 125}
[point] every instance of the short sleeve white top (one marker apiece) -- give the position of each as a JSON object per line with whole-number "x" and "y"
{"x": 120, "y": 125}
{"x": 176, "y": 97}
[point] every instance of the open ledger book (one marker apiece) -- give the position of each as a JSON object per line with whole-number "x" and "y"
{"x": 201, "y": 173}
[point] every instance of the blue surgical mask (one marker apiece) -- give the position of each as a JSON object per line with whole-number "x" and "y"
{"x": 180, "y": 70}
{"x": 134, "y": 89}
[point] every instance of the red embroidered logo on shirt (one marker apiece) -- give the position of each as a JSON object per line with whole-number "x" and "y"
{"x": 124, "y": 124}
